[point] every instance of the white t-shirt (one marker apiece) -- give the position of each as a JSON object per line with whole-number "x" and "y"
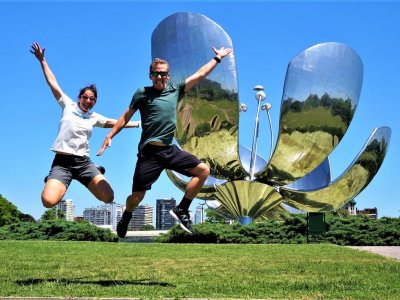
{"x": 75, "y": 128}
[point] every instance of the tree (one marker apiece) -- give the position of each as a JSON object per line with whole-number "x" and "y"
{"x": 26, "y": 218}
{"x": 52, "y": 214}
{"x": 213, "y": 217}
{"x": 147, "y": 227}
{"x": 8, "y": 212}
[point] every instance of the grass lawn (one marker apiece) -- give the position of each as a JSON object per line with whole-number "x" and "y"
{"x": 94, "y": 269}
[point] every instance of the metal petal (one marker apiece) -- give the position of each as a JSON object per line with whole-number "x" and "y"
{"x": 245, "y": 159}
{"x": 208, "y": 115}
{"x": 357, "y": 176}
{"x": 318, "y": 178}
{"x": 243, "y": 198}
{"x": 208, "y": 189}
{"x": 320, "y": 96}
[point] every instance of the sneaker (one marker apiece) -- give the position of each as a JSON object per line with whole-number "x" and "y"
{"x": 101, "y": 169}
{"x": 183, "y": 218}
{"x": 122, "y": 226}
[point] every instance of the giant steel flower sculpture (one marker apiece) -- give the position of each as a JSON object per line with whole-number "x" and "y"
{"x": 320, "y": 96}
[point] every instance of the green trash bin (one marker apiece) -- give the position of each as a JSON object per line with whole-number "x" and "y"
{"x": 315, "y": 224}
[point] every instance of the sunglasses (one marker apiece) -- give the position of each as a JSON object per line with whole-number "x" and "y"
{"x": 84, "y": 97}
{"x": 155, "y": 73}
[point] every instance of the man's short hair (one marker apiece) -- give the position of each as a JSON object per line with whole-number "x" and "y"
{"x": 158, "y": 61}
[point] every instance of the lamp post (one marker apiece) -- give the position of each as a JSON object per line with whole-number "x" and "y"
{"x": 260, "y": 96}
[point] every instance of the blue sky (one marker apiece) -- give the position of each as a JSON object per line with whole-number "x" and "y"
{"x": 108, "y": 43}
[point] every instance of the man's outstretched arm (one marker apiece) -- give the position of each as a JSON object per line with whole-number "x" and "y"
{"x": 207, "y": 68}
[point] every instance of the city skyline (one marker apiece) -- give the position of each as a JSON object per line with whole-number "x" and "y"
{"x": 108, "y": 215}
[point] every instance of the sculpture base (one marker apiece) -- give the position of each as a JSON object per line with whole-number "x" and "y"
{"x": 245, "y": 220}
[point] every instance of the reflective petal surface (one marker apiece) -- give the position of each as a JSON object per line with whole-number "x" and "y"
{"x": 243, "y": 198}
{"x": 208, "y": 189}
{"x": 318, "y": 178}
{"x": 357, "y": 176}
{"x": 320, "y": 95}
{"x": 245, "y": 159}
{"x": 208, "y": 115}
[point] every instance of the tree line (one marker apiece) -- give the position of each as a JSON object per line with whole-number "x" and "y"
{"x": 340, "y": 229}
{"x": 52, "y": 225}
{"x": 346, "y": 230}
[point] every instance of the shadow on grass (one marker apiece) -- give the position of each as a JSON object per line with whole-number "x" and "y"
{"x": 65, "y": 281}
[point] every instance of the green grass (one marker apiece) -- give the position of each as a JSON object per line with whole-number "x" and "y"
{"x": 203, "y": 111}
{"x": 94, "y": 269}
{"x": 312, "y": 117}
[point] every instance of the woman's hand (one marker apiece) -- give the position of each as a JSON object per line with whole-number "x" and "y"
{"x": 37, "y": 51}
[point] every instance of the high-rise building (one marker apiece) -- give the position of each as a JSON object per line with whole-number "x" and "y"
{"x": 198, "y": 215}
{"x": 107, "y": 214}
{"x": 116, "y": 213}
{"x": 98, "y": 215}
{"x": 141, "y": 215}
{"x": 67, "y": 206}
{"x": 370, "y": 212}
{"x": 164, "y": 220}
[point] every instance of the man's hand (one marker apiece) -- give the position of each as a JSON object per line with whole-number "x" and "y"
{"x": 106, "y": 143}
{"x": 221, "y": 53}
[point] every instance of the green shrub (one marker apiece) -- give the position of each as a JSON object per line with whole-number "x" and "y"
{"x": 349, "y": 230}
{"x": 56, "y": 230}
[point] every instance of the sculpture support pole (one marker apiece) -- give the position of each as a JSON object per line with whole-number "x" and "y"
{"x": 260, "y": 96}
{"x": 267, "y": 107}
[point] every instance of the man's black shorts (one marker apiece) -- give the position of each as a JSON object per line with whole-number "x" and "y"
{"x": 152, "y": 160}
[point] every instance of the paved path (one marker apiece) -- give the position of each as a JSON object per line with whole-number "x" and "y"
{"x": 389, "y": 251}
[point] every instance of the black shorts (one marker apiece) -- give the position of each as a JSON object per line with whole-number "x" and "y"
{"x": 152, "y": 160}
{"x": 68, "y": 167}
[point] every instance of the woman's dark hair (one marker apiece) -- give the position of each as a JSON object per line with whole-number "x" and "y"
{"x": 90, "y": 87}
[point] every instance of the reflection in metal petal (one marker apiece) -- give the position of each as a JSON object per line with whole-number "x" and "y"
{"x": 243, "y": 198}
{"x": 357, "y": 176}
{"x": 321, "y": 93}
{"x": 181, "y": 181}
{"x": 319, "y": 177}
{"x": 220, "y": 209}
{"x": 208, "y": 115}
{"x": 245, "y": 158}
{"x": 275, "y": 213}
{"x": 206, "y": 193}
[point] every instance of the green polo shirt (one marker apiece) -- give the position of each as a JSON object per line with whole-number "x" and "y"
{"x": 158, "y": 112}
